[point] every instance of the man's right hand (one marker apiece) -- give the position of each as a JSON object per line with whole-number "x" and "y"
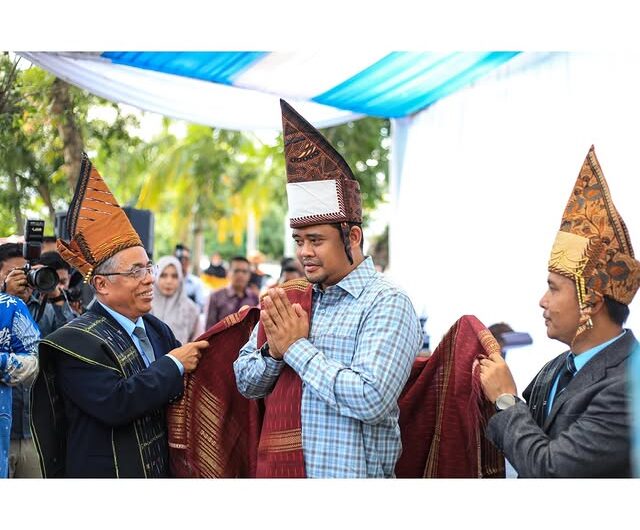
{"x": 189, "y": 354}
{"x": 16, "y": 284}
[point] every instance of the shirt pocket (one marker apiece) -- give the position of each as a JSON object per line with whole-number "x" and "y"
{"x": 340, "y": 347}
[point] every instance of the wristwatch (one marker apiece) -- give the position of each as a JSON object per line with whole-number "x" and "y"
{"x": 504, "y": 401}
{"x": 264, "y": 350}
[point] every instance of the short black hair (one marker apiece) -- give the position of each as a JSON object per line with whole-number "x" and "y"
{"x": 49, "y": 239}
{"x": 54, "y": 260}
{"x": 10, "y": 250}
{"x": 618, "y": 312}
{"x": 351, "y": 225}
{"x": 239, "y": 258}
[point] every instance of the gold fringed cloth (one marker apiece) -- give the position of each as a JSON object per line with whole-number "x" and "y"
{"x": 213, "y": 429}
{"x": 280, "y": 449}
{"x": 443, "y": 411}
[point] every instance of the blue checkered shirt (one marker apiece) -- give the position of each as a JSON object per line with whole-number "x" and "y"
{"x": 363, "y": 339}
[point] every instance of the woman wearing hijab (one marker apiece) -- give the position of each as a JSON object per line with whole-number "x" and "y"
{"x": 170, "y": 303}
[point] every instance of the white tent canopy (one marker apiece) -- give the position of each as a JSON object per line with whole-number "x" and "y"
{"x": 240, "y": 90}
{"x": 486, "y": 149}
{"x": 485, "y": 176}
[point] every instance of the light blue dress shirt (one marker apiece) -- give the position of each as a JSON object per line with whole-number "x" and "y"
{"x": 580, "y": 360}
{"x": 363, "y": 339}
{"x": 129, "y": 326}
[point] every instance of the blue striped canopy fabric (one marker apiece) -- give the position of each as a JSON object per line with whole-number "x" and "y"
{"x": 239, "y": 90}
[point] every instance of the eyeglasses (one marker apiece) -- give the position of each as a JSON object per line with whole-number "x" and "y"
{"x": 137, "y": 274}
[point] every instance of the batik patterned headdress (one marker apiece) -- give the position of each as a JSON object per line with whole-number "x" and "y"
{"x": 321, "y": 188}
{"x": 98, "y": 227}
{"x": 592, "y": 246}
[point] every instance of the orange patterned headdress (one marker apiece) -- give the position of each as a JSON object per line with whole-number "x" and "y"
{"x": 592, "y": 246}
{"x": 98, "y": 227}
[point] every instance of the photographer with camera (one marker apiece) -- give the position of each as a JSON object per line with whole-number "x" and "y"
{"x": 34, "y": 279}
{"x": 19, "y": 337}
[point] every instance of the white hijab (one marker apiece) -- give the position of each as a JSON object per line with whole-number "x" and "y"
{"x": 177, "y": 311}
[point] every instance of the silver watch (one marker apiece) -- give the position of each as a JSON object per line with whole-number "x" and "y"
{"x": 504, "y": 401}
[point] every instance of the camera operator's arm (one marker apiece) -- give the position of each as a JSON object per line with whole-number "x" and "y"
{"x": 19, "y": 361}
{"x": 57, "y": 313}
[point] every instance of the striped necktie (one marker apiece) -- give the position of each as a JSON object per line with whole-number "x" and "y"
{"x": 568, "y": 371}
{"x": 145, "y": 344}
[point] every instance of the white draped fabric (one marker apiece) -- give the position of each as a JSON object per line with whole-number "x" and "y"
{"x": 480, "y": 180}
{"x": 182, "y": 97}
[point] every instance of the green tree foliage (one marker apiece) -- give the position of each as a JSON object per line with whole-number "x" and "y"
{"x": 208, "y": 183}
{"x": 36, "y": 178}
{"x": 364, "y": 144}
{"x": 202, "y": 187}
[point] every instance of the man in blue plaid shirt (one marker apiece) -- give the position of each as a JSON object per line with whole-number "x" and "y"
{"x": 356, "y": 355}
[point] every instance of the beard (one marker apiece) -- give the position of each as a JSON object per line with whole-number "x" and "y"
{"x": 316, "y": 277}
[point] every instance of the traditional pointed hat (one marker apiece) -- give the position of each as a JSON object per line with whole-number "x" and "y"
{"x": 98, "y": 227}
{"x": 321, "y": 188}
{"x": 592, "y": 246}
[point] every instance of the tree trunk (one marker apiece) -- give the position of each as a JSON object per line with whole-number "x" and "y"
{"x": 69, "y": 131}
{"x": 15, "y": 203}
{"x": 198, "y": 245}
{"x": 45, "y": 193}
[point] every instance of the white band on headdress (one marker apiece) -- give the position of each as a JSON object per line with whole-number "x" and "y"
{"x": 312, "y": 199}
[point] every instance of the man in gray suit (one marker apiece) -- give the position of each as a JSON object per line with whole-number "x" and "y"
{"x": 576, "y": 422}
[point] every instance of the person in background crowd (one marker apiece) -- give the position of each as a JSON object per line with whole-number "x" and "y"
{"x": 291, "y": 269}
{"x": 576, "y": 422}
{"x": 229, "y": 300}
{"x": 63, "y": 269}
{"x": 258, "y": 278}
{"x": 193, "y": 284}
{"x": 215, "y": 275}
{"x": 170, "y": 303}
{"x": 48, "y": 244}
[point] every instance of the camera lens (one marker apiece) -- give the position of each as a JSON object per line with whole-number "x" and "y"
{"x": 44, "y": 279}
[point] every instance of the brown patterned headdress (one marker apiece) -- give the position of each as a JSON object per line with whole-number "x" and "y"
{"x": 98, "y": 227}
{"x": 592, "y": 246}
{"x": 321, "y": 188}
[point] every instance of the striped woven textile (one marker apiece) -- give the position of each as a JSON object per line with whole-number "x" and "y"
{"x": 443, "y": 411}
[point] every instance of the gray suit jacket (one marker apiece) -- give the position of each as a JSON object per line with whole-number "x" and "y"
{"x": 587, "y": 432}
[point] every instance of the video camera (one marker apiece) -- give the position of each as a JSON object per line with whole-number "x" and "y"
{"x": 44, "y": 279}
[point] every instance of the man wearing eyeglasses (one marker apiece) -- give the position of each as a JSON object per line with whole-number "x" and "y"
{"x": 98, "y": 405}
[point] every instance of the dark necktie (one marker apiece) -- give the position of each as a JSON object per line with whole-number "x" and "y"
{"x": 145, "y": 344}
{"x": 568, "y": 371}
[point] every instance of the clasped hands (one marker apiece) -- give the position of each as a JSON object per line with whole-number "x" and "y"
{"x": 284, "y": 323}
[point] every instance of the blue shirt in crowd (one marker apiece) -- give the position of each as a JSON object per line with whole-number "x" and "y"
{"x": 19, "y": 338}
